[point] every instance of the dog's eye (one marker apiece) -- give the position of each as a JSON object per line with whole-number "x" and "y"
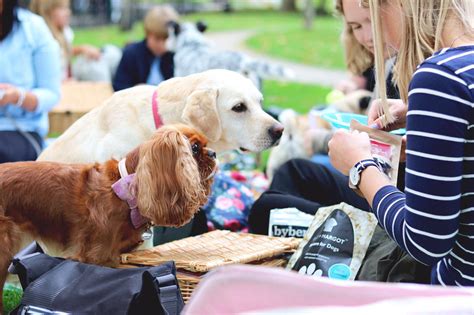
{"x": 196, "y": 148}
{"x": 239, "y": 108}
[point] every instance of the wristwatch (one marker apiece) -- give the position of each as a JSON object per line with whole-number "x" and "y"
{"x": 357, "y": 169}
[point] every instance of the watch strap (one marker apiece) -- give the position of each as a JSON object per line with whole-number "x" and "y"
{"x": 363, "y": 164}
{"x": 359, "y": 167}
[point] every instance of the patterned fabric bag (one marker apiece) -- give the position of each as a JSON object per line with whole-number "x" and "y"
{"x": 229, "y": 204}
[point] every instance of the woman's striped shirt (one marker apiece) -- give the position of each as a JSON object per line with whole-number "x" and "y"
{"x": 434, "y": 219}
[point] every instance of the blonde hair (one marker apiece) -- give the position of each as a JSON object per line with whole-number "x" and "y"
{"x": 45, "y": 9}
{"x": 423, "y": 24}
{"x": 156, "y": 19}
{"x": 357, "y": 57}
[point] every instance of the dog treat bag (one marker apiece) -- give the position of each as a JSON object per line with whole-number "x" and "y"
{"x": 288, "y": 222}
{"x": 335, "y": 243}
{"x": 385, "y": 148}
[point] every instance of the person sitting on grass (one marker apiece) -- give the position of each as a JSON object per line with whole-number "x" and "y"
{"x": 148, "y": 61}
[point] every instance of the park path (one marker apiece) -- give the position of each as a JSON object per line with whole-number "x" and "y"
{"x": 235, "y": 40}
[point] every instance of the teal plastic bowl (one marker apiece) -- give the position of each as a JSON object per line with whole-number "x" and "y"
{"x": 343, "y": 120}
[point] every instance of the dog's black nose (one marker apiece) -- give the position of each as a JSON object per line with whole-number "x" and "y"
{"x": 276, "y": 131}
{"x": 211, "y": 153}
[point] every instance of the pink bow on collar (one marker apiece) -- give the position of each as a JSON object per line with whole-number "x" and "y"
{"x": 123, "y": 190}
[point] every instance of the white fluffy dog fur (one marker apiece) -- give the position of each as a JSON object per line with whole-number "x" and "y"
{"x": 102, "y": 69}
{"x": 195, "y": 53}
{"x": 222, "y": 104}
{"x": 291, "y": 144}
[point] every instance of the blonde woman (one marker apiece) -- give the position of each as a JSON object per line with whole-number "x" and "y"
{"x": 57, "y": 14}
{"x": 434, "y": 219}
{"x": 300, "y": 182}
{"x": 357, "y": 40}
{"x": 311, "y": 184}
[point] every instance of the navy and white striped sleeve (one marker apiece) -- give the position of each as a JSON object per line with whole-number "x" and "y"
{"x": 425, "y": 220}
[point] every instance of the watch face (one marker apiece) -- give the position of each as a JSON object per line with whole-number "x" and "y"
{"x": 354, "y": 177}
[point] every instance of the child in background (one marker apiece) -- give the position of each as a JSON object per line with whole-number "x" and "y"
{"x": 148, "y": 61}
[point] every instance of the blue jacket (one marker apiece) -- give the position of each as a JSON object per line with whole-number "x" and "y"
{"x": 134, "y": 67}
{"x": 29, "y": 59}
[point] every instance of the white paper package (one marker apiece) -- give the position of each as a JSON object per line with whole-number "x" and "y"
{"x": 288, "y": 222}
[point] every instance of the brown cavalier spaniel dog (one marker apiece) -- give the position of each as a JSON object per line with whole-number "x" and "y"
{"x": 95, "y": 212}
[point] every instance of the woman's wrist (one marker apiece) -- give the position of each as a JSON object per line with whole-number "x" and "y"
{"x": 20, "y": 98}
{"x": 371, "y": 180}
{"x": 360, "y": 157}
{"x": 25, "y": 100}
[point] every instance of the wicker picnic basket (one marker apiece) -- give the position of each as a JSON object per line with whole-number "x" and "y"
{"x": 195, "y": 256}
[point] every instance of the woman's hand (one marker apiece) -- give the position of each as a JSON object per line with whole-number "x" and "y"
{"x": 403, "y": 155}
{"x": 10, "y": 94}
{"x": 346, "y": 148}
{"x": 398, "y": 109}
{"x": 346, "y": 86}
{"x": 351, "y": 84}
{"x": 90, "y": 52}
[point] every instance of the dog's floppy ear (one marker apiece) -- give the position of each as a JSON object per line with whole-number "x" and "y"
{"x": 201, "y": 26}
{"x": 169, "y": 190}
{"x": 176, "y": 28}
{"x": 201, "y": 112}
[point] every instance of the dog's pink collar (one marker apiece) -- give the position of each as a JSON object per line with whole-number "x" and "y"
{"x": 123, "y": 189}
{"x": 154, "y": 108}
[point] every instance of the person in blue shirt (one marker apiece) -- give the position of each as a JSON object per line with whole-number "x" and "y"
{"x": 29, "y": 82}
{"x": 148, "y": 61}
{"x": 433, "y": 220}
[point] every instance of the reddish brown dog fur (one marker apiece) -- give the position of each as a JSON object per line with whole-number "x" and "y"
{"x": 74, "y": 207}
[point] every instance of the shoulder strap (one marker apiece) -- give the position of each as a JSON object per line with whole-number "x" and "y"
{"x": 170, "y": 295}
{"x": 166, "y": 283}
{"x": 31, "y": 262}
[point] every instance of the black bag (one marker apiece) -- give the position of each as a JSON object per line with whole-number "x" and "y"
{"x": 385, "y": 261}
{"x": 57, "y": 286}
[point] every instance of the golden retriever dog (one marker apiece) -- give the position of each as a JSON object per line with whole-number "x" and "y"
{"x": 95, "y": 212}
{"x": 223, "y": 105}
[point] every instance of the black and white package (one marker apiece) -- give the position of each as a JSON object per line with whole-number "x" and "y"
{"x": 288, "y": 222}
{"x": 335, "y": 243}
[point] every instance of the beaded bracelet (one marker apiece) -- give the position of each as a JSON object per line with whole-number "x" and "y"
{"x": 21, "y": 98}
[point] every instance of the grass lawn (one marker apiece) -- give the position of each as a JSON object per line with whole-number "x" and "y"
{"x": 317, "y": 47}
{"x": 278, "y": 34}
{"x": 11, "y": 298}
{"x": 217, "y": 22}
{"x": 300, "y": 97}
